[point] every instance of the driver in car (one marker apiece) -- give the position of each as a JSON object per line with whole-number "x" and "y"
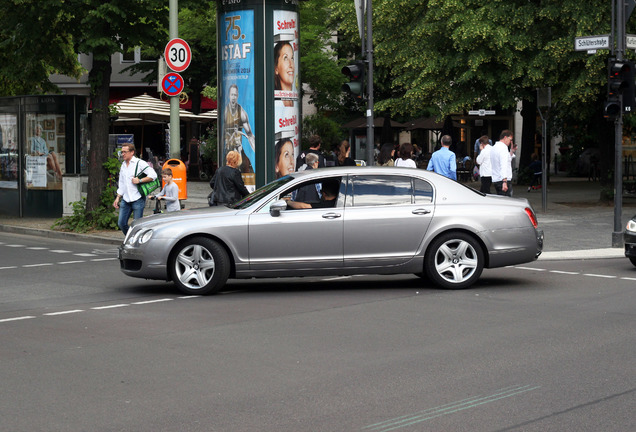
{"x": 330, "y": 190}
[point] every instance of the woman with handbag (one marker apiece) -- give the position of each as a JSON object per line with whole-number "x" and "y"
{"x": 227, "y": 182}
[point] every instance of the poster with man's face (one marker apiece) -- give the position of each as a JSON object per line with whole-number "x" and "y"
{"x": 286, "y": 92}
{"x": 237, "y": 114}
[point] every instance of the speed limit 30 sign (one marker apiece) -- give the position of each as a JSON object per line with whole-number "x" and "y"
{"x": 178, "y": 55}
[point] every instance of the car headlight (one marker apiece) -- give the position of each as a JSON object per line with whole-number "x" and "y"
{"x": 139, "y": 237}
{"x": 631, "y": 225}
{"x": 144, "y": 236}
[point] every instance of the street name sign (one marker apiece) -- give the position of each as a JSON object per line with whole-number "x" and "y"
{"x": 178, "y": 55}
{"x": 482, "y": 112}
{"x": 592, "y": 43}
{"x": 630, "y": 41}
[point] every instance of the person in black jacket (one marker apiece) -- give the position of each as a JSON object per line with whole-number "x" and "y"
{"x": 227, "y": 181}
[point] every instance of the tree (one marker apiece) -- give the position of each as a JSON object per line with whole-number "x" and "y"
{"x": 34, "y": 44}
{"x": 79, "y": 26}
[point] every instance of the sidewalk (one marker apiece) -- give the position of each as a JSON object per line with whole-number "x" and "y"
{"x": 575, "y": 223}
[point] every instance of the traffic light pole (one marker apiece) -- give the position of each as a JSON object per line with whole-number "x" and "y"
{"x": 370, "y": 137}
{"x": 617, "y": 234}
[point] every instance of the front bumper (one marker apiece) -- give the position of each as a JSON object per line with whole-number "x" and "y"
{"x": 629, "y": 238}
{"x": 141, "y": 263}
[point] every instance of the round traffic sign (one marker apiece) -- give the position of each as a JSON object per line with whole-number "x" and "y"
{"x": 178, "y": 55}
{"x": 172, "y": 84}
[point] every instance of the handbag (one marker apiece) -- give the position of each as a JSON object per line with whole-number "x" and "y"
{"x": 146, "y": 189}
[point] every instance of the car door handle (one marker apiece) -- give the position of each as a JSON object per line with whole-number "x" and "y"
{"x": 421, "y": 211}
{"x": 331, "y": 215}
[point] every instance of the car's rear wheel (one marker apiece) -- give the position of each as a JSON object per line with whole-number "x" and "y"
{"x": 200, "y": 266}
{"x": 633, "y": 260}
{"x": 454, "y": 260}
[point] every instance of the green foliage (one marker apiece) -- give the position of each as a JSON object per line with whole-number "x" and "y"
{"x": 102, "y": 218}
{"x": 329, "y": 131}
{"x": 208, "y": 144}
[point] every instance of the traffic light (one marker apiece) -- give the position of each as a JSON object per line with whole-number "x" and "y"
{"x": 621, "y": 83}
{"x": 612, "y": 108}
{"x": 355, "y": 73}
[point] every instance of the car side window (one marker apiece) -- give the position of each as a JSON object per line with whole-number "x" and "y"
{"x": 319, "y": 193}
{"x": 423, "y": 191}
{"x": 376, "y": 190}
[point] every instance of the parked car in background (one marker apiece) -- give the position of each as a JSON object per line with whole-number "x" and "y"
{"x": 629, "y": 237}
{"x": 380, "y": 221}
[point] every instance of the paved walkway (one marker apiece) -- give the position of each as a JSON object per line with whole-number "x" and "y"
{"x": 575, "y": 223}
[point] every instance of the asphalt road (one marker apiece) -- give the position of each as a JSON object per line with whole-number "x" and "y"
{"x": 547, "y": 346}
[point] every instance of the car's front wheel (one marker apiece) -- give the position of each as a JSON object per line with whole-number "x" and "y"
{"x": 633, "y": 260}
{"x": 454, "y": 260}
{"x": 200, "y": 266}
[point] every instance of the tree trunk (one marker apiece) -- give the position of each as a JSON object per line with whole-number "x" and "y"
{"x": 528, "y": 132}
{"x": 99, "y": 77}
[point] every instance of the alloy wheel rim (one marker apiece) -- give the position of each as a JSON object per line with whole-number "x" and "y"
{"x": 456, "y": 261}
{"x": 195, "y": 266}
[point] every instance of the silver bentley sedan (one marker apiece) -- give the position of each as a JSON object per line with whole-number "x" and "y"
{"x": 337, "y": 221}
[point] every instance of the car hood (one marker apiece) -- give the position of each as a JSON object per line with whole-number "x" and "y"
{"x": 182, "y": 216}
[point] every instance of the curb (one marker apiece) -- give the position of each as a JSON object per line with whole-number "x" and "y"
{"x": 90, "y": 238}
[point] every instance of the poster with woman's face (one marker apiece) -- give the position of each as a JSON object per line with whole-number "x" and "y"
{"x": 286, "y": 92}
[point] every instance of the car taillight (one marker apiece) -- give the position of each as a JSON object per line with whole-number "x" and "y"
{"x": 532, "y": 217}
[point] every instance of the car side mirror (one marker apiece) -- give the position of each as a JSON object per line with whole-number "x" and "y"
{"x": 276, "y": 207}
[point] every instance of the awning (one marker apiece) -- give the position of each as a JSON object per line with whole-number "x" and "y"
{"x": 150, "y": 109}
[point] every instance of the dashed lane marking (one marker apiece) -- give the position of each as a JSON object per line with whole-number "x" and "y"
{"x": 600, "y": 276}
{"x": 98, "y": 308}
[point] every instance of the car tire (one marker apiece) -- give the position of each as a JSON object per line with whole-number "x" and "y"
{"x": 454, "y": 260}
{"x": 633, "y": 260}
{"x": 199, "y": 266}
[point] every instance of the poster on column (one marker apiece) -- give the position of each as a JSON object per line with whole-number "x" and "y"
{"x": 237, "y": 88}
{"x": 286, "y": 92}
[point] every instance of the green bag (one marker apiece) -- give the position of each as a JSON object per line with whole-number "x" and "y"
{"x": 146, "y": 188}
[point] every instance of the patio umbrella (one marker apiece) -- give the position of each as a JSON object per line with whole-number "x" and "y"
{"x": 147, "y": 109}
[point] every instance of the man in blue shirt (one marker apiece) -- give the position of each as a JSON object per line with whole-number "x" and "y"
{"x": 443, "y": 161}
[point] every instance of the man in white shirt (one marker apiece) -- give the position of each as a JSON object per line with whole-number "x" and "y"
{"x": 485, "y": 166}
{"x": 501, "y": 167}
{"x": 129, "y": 200}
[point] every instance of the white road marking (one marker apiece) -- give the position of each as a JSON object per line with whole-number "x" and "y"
{"x": 60, "y": 251}
{"x": 531, "y": 268}
{"x": 599, "y": 275}
{"x": 37, "y": 248}
{"x": 15, "y": 245}
{"x": 37, "y": 265}
{"x": 103, "y": 259}
{"x": 564, "y": 272}
{"x": 71, "y": 262}
{"x": 85, "y": 254}
{"x": 153, "y": 301}
{"x": 110, "y": 306}
{"x": 8, "y": 267}
{"x": 64, "y": 312}
{"x": 16, "y": 318}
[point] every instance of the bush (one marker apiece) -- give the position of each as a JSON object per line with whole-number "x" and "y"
{"x": 102, "y": 218}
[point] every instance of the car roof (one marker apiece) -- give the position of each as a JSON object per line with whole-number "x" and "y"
{"x": 352, "y": 170}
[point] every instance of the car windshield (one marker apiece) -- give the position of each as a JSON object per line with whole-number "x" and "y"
{"x": 260, "y": 193}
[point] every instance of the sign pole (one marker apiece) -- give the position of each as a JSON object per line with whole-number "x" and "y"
{"x": 370, "y": 114}
{"x": 175, "y": 132}
{"x": 617, "y": 234}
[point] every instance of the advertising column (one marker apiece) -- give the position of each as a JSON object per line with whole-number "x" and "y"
{"x": 259, "y": 86}
{"x": 286, "y": 91}
{"x": 236, "y": 89}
